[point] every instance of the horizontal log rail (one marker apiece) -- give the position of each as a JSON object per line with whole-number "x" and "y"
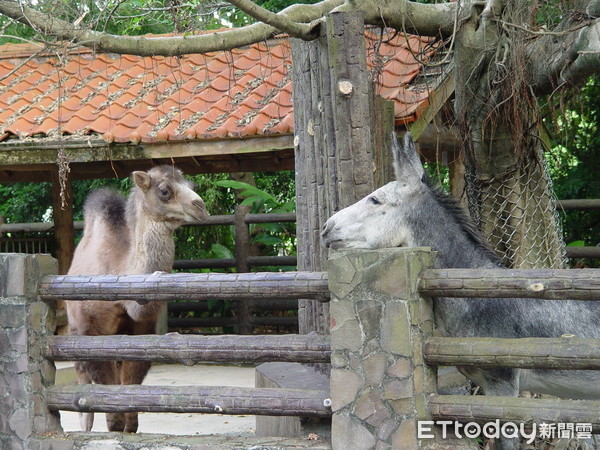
{"x": 223, "y": 219}
{"x": 225, "y": 263}
{"x": 189, "y": 399}
{"x": 579, "y": 204}
{"x": 550, "y": 284}
{"x": 256, "y": 305}
{"x": 207, "y": 322}
{"x": 483, "y": 409}
{"x": 189, "y": 349}
{"x": 582, "y": 252}
{"x": 568, "y": 353}
{"x": 187, "y": 286}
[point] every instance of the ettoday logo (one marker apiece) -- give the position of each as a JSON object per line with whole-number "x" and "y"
{"x": 496, "y": 430}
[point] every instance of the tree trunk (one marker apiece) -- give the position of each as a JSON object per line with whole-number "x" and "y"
{"x": 510, "y": 192}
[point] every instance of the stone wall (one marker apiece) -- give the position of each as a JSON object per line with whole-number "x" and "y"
{"x": 379, "y": 382}
{"x": 25, "y": 321}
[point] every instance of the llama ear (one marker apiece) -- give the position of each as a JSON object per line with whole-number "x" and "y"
{"x": 407, "y": 164}
{"x": 141, "y": 179}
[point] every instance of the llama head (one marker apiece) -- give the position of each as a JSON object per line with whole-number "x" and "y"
{"x": 168, "y": 197}
{"x": 382, "y": 218}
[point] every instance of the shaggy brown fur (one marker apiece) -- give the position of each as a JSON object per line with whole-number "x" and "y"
{"x": 128, "y": 237}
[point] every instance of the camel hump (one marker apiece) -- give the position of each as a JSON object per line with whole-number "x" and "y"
{"x": 106, "y": 204}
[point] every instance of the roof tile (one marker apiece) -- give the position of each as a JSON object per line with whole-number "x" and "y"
{"x": 125, "y": 98}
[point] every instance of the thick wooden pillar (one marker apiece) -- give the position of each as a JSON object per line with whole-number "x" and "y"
{"x": 64, "y": 232}
{"x": 335, "y": 143}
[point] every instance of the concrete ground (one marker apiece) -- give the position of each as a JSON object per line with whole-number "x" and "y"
{"x": 173, "y": 423}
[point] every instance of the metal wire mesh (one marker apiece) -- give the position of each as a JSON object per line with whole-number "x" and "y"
{"x": 517, "y": 212}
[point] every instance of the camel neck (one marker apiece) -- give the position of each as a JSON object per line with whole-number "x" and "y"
{"x": 154, "y": 248}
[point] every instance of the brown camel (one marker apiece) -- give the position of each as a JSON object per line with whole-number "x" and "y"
{"x": 128, "y": 237}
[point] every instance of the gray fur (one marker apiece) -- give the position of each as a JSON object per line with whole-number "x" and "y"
{"x": 410, "y": 212}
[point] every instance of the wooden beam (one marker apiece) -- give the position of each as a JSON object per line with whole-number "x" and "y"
{"x": 531, "y": 353}
{"x": 187, "y": 286}
{"x": 93, "y": 158}
{"x": 484, "y": 409}
{"x": 550, "y": 284}
{"x": 438, "y": 96}
{"x": 189, "y": 399}
{"x": 190, "y": 349}
{"x": 62, "y": 212}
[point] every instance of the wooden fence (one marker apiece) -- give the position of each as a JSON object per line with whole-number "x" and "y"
{"x": 38, "y": 238}
{"x": 382, "y": 350}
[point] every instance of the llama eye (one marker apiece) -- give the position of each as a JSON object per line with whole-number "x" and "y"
{"x": 374, "y": 201}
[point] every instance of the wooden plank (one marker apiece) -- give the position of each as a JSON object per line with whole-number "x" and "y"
{"x": 567, "y": 353}
{"x": 550, "y": 284}
{"x": 484, "y": 409}
{"x": 187, "y": 286}
{"x": 189, "y": 399}
{"x": 190, "y": 349}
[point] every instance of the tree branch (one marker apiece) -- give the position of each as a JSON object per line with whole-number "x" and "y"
{"x": 279, "y": 21}
{"x": 564, "y": 60}
{"x": 164, "y": 46}
{"x": 403, "y": 15}
{"x": 424, "y": 19}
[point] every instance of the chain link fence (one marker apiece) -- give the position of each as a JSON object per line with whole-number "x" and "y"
{"x": 517, "y": 212}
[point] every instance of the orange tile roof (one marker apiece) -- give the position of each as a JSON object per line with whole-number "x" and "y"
{"x": 239, "y": 93}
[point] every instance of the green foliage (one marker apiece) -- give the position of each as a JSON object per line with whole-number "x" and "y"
{"x": 278, "y": 5}
{"x": 272, "y": 238}
{"x": 25, "y": 202}
{"x": 574, "y": 162}
{"x": 197, "y": 242}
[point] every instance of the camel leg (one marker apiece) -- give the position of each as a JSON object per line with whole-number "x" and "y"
{"x": 86, "y": 420}
{"x": 106, "y": 372}
{"x": 134, "y": 372}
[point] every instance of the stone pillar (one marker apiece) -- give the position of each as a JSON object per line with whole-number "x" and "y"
{"x": 25, "y": 322}
{"x": 379, "y": 382}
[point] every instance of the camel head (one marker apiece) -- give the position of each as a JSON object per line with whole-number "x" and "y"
{"x": 168, "y": 197}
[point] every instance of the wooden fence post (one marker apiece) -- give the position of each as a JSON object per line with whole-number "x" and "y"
{"x": 379, "y": 381}
{"x": 338, "y": 139}
{"x": 242, "y": 251}
{"x": 25, "y": 323}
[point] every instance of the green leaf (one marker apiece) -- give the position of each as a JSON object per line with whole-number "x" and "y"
{"x": 247, "y": 190}
{"x": 220, "y": 251}
{"x": 576, "y": 244}
{"x": 267, "y": 239}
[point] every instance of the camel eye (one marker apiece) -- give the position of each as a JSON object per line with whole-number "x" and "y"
{"x": 164, "y": 192}
{"x": 373, "y": 200}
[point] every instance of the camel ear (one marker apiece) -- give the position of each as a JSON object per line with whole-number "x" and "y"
{"x": 142, "y": 180}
